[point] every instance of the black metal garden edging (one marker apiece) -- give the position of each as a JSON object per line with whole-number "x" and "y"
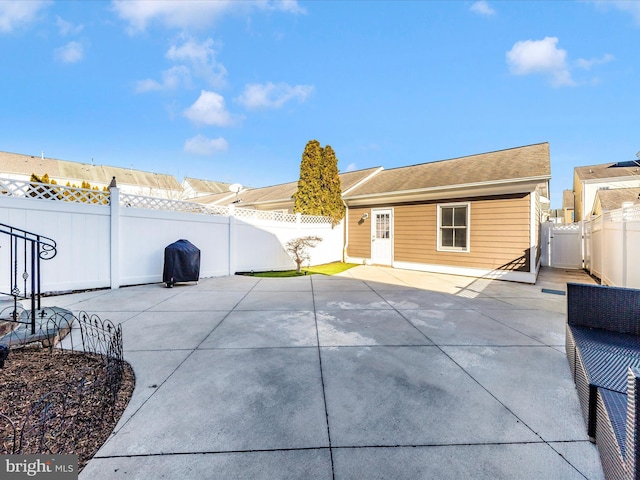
{"x": 26, "y": 249}
{"x": 57, "y": 422}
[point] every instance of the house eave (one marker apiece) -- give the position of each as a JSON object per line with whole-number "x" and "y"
{"x": 589, "y": 181}
{"x": 499, "y": 187}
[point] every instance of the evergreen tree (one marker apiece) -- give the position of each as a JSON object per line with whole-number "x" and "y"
{"x": 319, "y": 190}
{"x": 331, "y": 187}
{"x": 306, "y": 198}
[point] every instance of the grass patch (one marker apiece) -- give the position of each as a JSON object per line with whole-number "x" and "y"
{"x": 331, "y": 268}
{"x": 326, "y": 269}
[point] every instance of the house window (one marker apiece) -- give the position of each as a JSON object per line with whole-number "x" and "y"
{"x": 383, "y": 225}
{"x": 453, "y": 227}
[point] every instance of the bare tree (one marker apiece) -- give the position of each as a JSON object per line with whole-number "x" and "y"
{"x": 298, "y": 248}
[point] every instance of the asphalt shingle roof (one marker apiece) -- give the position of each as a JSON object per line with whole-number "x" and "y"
{"x": 62, "y": 169}
{"x": 530, "y": 161}
{"x": 283, "y": 192}
{"x": 609, "y": 170}
{"x": 612, "y": 199}
{"x": 207, "y": 186}
{"x": 567, "y": 199}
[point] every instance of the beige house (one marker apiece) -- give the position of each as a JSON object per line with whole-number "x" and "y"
{"x": 568, "y": 208}
{"x": 615, "y": 199}
{"x": 587, "y": 181}
{"x": 136, "y": 182}
{"x": 478, "y": 215}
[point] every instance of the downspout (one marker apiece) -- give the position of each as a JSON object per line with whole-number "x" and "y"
{"x": 533, "y": 226}
{"x": 346, "y": 233}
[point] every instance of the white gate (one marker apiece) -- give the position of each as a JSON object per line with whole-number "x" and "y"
{"x": 563, "y": 244}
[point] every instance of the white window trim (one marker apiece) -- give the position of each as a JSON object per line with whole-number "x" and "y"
{"x": 439, "y": 246}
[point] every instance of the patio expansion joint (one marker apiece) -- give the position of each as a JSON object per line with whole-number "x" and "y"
{"x": 335, "y": 447}
{"x": 475, "y": 380}
{"x": 210, "y": 452}
{"x": 488, "y": 315}
{"x": 324, "y": 394}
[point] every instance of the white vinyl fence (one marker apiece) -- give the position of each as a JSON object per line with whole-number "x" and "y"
{"x": 611, "y": 244}
{"x": 109, "y": 239}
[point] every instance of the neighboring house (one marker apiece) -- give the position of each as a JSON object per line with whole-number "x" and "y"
{"x": 615, "y": 199}
{"x": 556, "y": 215}
{"x": 194, "y": 187}
{"x": 136, "y": 182}
{"x": 280, "y": 197}
{"x": 568, "y": 206}
{"x": 588, "y": 180}
{"x": 478, "y": 215}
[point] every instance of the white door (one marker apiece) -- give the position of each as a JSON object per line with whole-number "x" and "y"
{"x": 382, "y": 237}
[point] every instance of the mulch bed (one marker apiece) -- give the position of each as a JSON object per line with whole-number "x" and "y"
{"x": 30, "y": 373}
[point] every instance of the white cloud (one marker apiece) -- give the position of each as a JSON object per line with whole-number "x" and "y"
{"x": 171, "y": 79}
{"x": 290, "y": 6}
{"x": 630, "y": 6}
{"x": 271, "y": 95}
{"x": 202, "y": 58}
{"x": 72, "y": 52}
{"x": 170, "y": 13}
{"x": 482, "y": 7}
{"x": 209, "y": 109}
{"x": 189, "y": 14}
{"x": 16, "y": 13}
{"x": 148, "y": 85}
{"x": 540, "y": 57}
{"x": 201, "y": 145}
{"x": 588, "y": 64}
{"x": 351, "y": 167}
{"x": 196, "y": 60}
{"x": 67, "y": 28}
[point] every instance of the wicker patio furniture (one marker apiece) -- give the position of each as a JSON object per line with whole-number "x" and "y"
{"x": 603, "y": 350}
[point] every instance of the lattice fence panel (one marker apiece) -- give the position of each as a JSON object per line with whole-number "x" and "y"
{"x": 47, "y": 191}
{"x": 315, "y": 219}
{"x": 165, "y": 204}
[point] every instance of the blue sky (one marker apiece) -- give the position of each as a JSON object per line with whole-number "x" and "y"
{"x": 233, "y": 90}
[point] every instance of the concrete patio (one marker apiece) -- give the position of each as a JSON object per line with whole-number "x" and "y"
{"x": 374, "y": 374}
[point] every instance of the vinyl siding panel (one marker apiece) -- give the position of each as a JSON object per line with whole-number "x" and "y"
{"x": 359, "y": 233}
{"x": 499, "y": 234}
